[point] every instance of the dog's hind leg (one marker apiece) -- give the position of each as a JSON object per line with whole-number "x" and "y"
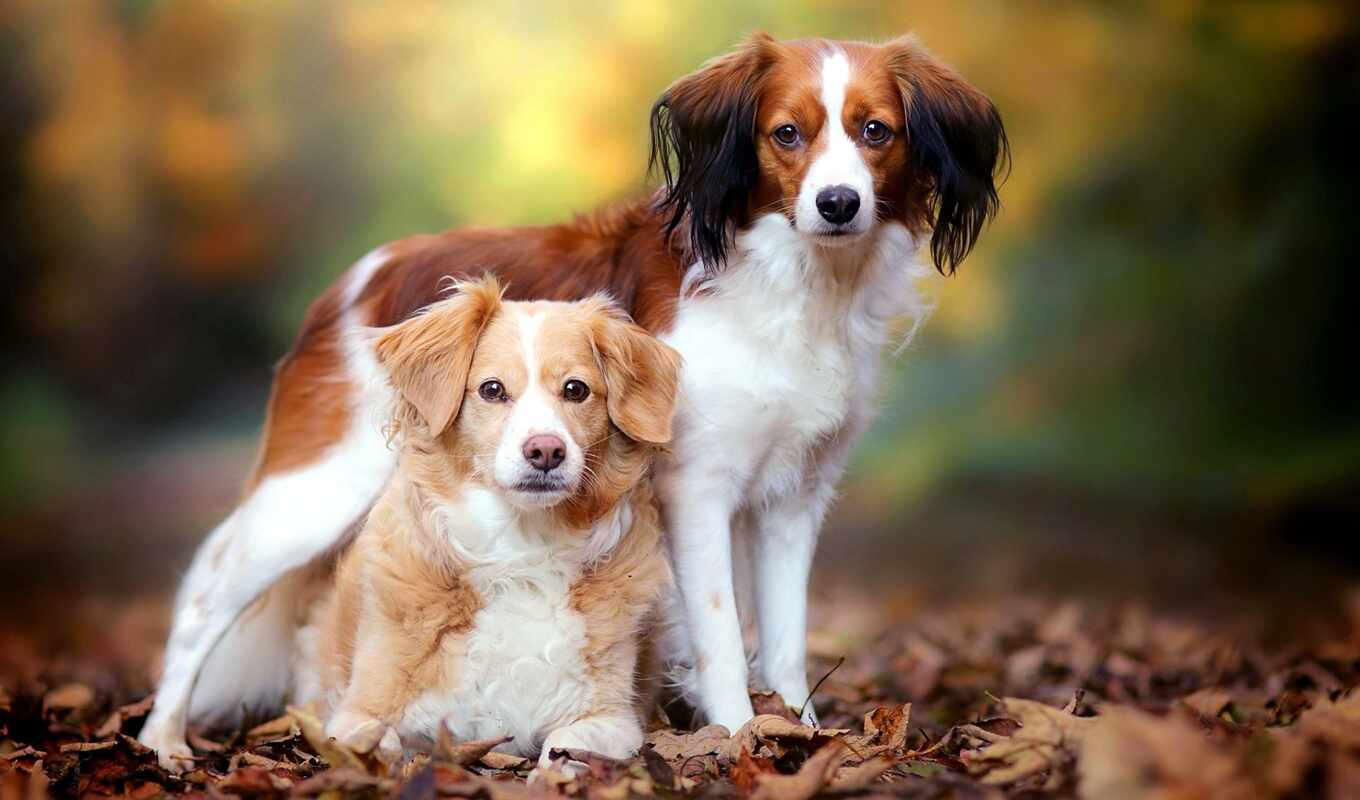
{"x": 292, "y": 514}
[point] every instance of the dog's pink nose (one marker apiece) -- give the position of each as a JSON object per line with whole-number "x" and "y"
{"x": 545, "y": 451}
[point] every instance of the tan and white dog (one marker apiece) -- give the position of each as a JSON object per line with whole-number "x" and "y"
{"x": 501, "y": 583}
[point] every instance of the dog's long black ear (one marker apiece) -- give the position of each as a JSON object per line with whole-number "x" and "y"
{"x": 957, "y": 147}
{"x": 703, "y": 145}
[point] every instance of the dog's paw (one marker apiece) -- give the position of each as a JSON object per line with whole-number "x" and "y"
{"x": 172, "y": 751}
{"x": 361, "y": 734}
{"x": 549, "y": 771}
{"x": 389, "y": 750}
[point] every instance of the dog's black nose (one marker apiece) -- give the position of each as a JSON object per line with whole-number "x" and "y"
{"x": 545, "y": 451}
{"x": 838, "y": 204}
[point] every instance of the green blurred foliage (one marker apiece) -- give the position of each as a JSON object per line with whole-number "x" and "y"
{"x": 1161, "y": 312}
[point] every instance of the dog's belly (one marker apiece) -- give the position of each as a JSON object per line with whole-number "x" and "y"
{"x": 519, "y": 672}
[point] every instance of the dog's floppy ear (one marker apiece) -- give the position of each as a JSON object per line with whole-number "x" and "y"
{"x": 429, "y": 355}
{"x": 703, "y": 144}
{"x": 957, "y": 147}
{"x": 641, "y": 374}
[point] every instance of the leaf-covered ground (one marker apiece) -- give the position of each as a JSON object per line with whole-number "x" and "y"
{"x": 1008, "y": 698}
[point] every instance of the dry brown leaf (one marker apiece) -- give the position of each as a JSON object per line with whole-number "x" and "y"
{"x": 1132, "y": 754}
{"x": 505, "y": 761}
{"x": 889, "y": 726}
{"x": 314, "y": 731}
{"x": 771, "y": 735}
{"x": 814, "y": 776}
{"x": 254, "y": 780}
{"x": 114, "y": 723}
{"x": 462, "y": 754}
{"x": 87, "y": 747}
{"x": 746, "y": 769}
{"x": 70, "y": 697}
{"x": 772, "y": 703}
{"x": 674, "y": 746}
{"x": 282, "y": 727}
{"x": 343, "y": 781}
{"x": 1336, "y": 723}
{"x": 1048, "y": 738}
{"x": 861, "y": 775}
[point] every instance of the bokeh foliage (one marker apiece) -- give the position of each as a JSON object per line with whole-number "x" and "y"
{"x": 1163, "y": 310}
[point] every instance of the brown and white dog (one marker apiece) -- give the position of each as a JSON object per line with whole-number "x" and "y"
{"x": 503, "y": 578}
{"x": 802, "y": 181}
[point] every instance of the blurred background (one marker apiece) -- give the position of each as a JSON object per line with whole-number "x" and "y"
{"x": 1143, "y": 384}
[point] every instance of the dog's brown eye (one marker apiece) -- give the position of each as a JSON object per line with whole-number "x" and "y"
{"x": 491, "y": 391}
{"x": 575, "y": 391}
{"x": 876, "y": 132}
{"x": 786, "y": 135}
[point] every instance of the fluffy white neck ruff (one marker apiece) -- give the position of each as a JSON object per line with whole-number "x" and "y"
{"x": 844, "y": 288}
{"x": 487, "y": 533}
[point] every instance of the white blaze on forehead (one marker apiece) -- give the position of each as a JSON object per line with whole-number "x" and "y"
{"x": 839, "y": 163}
{"x": 535, "y": 411}
{"x": 835, "y": 77}
{"x": 529, "y": 326}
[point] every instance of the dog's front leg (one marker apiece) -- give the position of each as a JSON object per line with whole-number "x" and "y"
{"x": 699, "y": 530}
{"x": 613, "y": 736}
{"x": 785, "y": 540}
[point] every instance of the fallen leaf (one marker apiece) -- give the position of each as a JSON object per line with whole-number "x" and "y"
{"x": 461, "y": 754}
{"x": 69, "y": 697}
{"x": 114, "y": 723}
{"x": 1127, "y": 753}
{"x": 343, "y": 780}
{"x": 282, "y": 727}
{"x": 772, "y": 703}
{"x": 746, "y": 769}
{"x": 674, "y": 746}
{"x": 505, "y": 761}
{"x": 254, "y": 781}
{"x": 860, "y": 775}
{"x": 814, "y": 776}
{"x": 889, "y": 726}
{"x": 1047, "y": 738}
{"x": 87, "y": 747}
{"x": 771, "y": 735}
{"x": 314, "y": 731}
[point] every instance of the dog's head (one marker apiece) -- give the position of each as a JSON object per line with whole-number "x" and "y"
{"x": 551, "y": 404}
{"x": 835, "y": 137}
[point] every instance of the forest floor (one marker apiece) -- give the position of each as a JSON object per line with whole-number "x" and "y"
{"x": 993, "y": 697}
{"x": 997, "y": 642}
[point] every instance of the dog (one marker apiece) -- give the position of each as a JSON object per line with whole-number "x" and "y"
{"x": 803, "y": 182}
{"x": 502, "y": 581}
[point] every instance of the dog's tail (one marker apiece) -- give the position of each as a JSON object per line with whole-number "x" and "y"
{"x": 249, "y": 675}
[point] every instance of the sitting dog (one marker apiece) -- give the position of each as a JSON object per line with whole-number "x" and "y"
{"x": 500, "y": 583}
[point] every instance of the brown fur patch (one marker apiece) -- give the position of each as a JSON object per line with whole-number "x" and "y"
{"x": 309, "y": 404}
{"x": 429, "y": 355}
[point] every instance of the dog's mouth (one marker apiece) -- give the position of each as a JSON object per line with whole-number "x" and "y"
{"x": 836, "y": 235}
{"x": 542, "y": 488}
{"x": 541, "y": 484}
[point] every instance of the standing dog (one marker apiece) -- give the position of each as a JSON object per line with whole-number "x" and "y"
{"x": 502, "y": 580}
{"x": 802, "y": 179}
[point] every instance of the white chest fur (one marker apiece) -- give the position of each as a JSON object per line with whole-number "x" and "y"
{"x": 520, "y": 671}
{"x": 781, "y": 354}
